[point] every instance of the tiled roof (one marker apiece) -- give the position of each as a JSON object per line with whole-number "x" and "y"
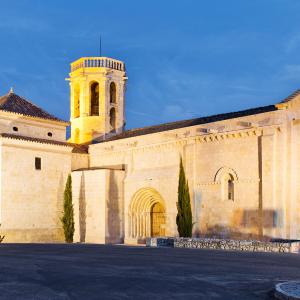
{"x": 76, "y": 148}
{"x": 191, "y": 122}
{"x": 16, "y": 104}
{"x": 291, "y": 97}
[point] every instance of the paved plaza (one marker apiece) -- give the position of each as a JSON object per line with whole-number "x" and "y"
{"x": 77, "y": 271}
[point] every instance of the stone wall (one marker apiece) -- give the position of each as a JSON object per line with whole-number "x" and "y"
{"x": 98, "y": 206}
{"x": 255, "y": 157}
{"x": 32, "y": 127}
{"x": 223, "y": 244}
{"x": 80, "y": 161}
{"x": 31, "y": 199}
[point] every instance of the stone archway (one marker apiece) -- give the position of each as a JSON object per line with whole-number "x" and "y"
{"x": 147, "y": 215}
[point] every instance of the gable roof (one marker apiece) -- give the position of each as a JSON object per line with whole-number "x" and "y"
{"x": 16, "y": 104}
{"x": 190, "y": 122}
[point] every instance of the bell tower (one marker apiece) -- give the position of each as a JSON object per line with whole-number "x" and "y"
{"x": 97, "y": 87}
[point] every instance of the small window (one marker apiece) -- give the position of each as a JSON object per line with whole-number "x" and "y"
{"x": 230, "y": 189}
{"x": 50, "y": 134}
{"x": 15, "y": 128}
{"x": 38, "y": 163}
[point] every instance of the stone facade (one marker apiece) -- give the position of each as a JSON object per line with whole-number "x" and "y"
{"x": 243, "y": 169}
{"x": 32, "y": 127}
{"x": 258, "y": 157}
{"x": 98, "y": 206}
{"x": 31, "y": 199}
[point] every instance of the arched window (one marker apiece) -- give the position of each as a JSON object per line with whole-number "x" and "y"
{"x": 228, "y": 187}
{"x": 94, "y": 99}
{"x": 112, "y": 119}
{"x": 113, "y": 93}
{"x": 228, "y": 179}
{"x": 76, "y": 101}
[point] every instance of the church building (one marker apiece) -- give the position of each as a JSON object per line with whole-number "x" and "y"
{"x": 243, "y": 168}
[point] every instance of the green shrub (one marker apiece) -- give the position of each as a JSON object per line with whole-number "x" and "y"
{"x": 68, "y": 216}
{"x": 184, "y": 212}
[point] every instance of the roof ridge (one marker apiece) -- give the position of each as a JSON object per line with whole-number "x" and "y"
{"x": 209, "y": 116}
{"x": 189, "y": 122}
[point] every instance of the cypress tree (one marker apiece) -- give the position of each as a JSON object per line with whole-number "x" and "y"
{"x": 68, "y": 217}
{"x": 184, "y": 212}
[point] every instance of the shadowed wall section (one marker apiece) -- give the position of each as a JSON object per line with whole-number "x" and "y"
{"x": 98, "y": 206}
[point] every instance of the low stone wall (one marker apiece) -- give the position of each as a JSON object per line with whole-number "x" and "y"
{"x": 252, "y": 246}
{"x": 223, "y": 244}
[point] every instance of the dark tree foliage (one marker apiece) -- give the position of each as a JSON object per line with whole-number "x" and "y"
{"x": 184, "y": 212}
{"x": 68, "y": 217}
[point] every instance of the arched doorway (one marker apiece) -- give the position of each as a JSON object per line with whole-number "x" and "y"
{"x": 147, "y": 215}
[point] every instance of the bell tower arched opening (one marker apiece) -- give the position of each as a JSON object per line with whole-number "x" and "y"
{"x": 113, "y": 119}
{"x": 94, "y": 92}
{"x": 112, "y": 93}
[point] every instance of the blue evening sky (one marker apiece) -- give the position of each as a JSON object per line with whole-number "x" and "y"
{"x": 184, "y": 58}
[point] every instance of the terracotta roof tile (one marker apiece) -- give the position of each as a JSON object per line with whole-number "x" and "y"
{"x": 16, "y": 104}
